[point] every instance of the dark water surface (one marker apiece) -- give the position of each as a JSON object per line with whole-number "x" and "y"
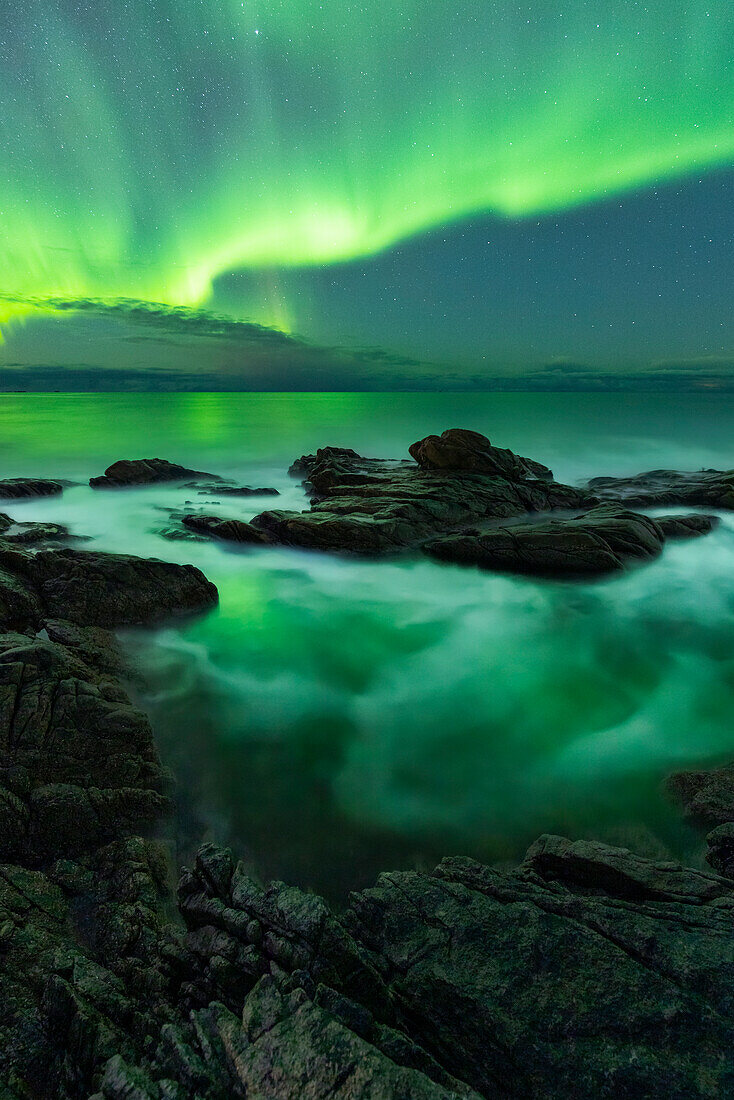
{"x": 335, "y": 717}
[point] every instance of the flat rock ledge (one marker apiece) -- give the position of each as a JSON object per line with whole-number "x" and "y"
{"x": 705, "y": 489}
{"x": 453, "y": 503}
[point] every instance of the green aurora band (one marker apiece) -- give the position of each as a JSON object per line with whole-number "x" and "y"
{"x": 148, "y": 147}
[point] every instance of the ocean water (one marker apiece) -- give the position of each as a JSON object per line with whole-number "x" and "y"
{"x": 336, "y": 717}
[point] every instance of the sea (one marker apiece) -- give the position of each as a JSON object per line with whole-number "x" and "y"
{"x": 336, "y": 717}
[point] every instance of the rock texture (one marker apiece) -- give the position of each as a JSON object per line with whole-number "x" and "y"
{"x": 451, "y": 505}
{"x": 373, "y": 506}
{"x": 231, "y": 530}
{"x": 604, "y": 540}
{"x": 32, "y": 533}
{"x": 20, "y": 488}
{"x": 471, "y": 452}
{"x": 144, "y": 471}
{"x": 705, "y": 489}
{"x": 109, "y": 590}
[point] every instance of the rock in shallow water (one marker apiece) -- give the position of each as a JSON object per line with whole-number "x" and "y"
{"x": 706, "y": 488}
{"x": 374, "y": 506}
{"x": 20, "y": 488}
{"x": 604, "y": 540}
{"x": 144, "y": 471}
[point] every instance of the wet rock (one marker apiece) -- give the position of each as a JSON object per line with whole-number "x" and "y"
{"x": 586, "y": 972}
{"x": 604, "y": 540}
{"x": 373, "y": 506}
{"x": 20, "y": 607}
{"x": 705, "y": 489}
{"x": 108, "y": 590}
{"x": 22, "y": 488}
{"x": 232, "y": 490}
{"x": 31, "y": 534}
{"x": 231, "y": 530}
{"x": 144, "y": 471}
{"x": 687, "y": 527}
{"x": 461, "y": 449}
{"x": 707, "y": 797}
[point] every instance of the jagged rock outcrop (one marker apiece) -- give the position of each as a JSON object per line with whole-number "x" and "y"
{"x": 705, "y": 489}
{"x": 604, "y": 540}
{"x": 374, "y": 506}
{"x": 144, "y": 471}
{"x": 587, "y": 971}
{"x": 451, "y": 506}
{"x": 21, "y": 488}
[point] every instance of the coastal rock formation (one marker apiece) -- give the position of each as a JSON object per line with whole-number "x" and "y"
{"x": 587, "y": 971}
{"x": 144, "y": 471}
{"x": 374, "y": 506}
{"x": 21, "y": 488}
{"x": 705, "y": 489}
{"x": 603, "y": 540}
{"x": 461, "y": 449}
{"x": 108, "y": 590}
{"x": 451, "y": 506}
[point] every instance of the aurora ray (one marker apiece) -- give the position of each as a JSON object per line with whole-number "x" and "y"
{"x": 146, "y": 148}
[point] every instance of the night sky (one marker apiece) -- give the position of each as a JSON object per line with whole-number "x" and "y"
{"x": 415, "y": 193}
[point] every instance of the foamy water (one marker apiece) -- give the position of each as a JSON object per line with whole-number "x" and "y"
{"x": 335, "y": 716}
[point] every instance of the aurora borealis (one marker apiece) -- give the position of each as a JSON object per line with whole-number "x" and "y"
{"x": 238, "y": 155}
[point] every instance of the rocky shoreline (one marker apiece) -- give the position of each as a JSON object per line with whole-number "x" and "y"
{"x": 587, "y": 971}
{"x": 464, "y": 501}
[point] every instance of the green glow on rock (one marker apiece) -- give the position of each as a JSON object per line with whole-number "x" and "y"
{"x": 144, "y": 155}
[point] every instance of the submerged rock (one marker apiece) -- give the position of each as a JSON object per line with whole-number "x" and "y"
{"x": 32, "y": 533}
{"x": 706, "y": 488}
{"x": 232, "y": 490}
{"x": 604, "y": 540}
{"x": 231, "y": 530}
{"x": 144, "y": 471}
{"x": 20, "y": 488}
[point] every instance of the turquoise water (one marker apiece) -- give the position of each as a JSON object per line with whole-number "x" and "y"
{"x": 334, "y": 716}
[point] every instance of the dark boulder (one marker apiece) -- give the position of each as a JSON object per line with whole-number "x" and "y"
{"x": 461, "y": 449}
{"x": 687, "y": 527}
{"x": 604, "y": 540}
{"x": 144, "y": 471}
{"x": 109, "y": 590}
{"x": 21, "y": 488}
{"x": 707, "y": 797}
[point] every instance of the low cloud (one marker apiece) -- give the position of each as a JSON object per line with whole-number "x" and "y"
{"x": 154, "y": 346}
